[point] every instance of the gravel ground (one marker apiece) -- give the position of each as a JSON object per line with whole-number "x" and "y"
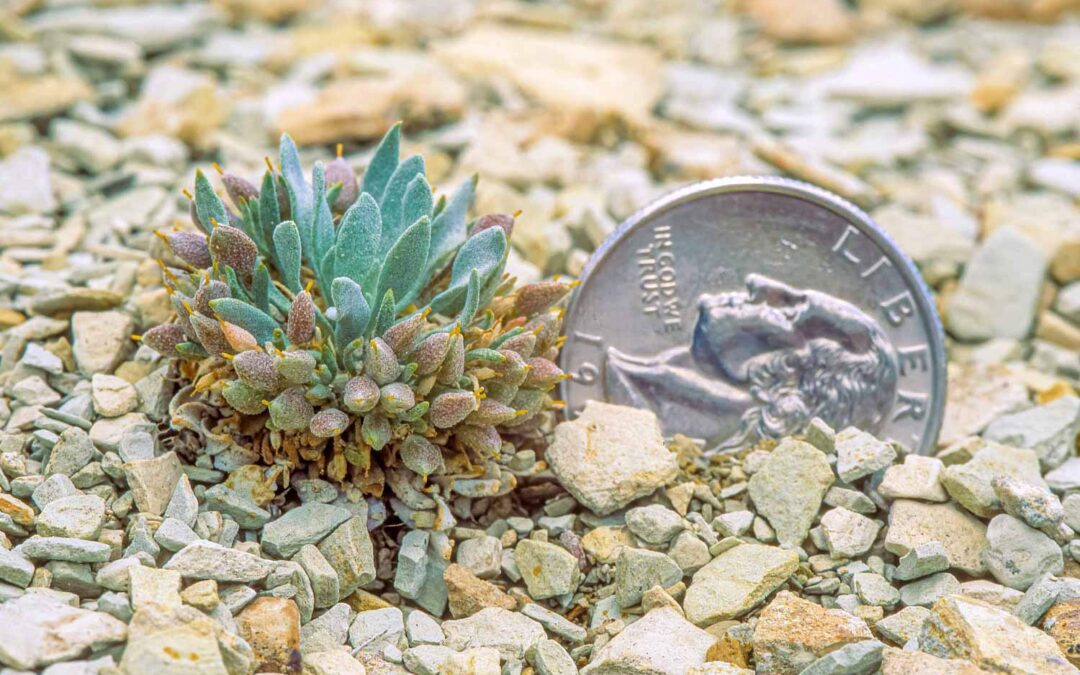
{"x": 953, "y": 122}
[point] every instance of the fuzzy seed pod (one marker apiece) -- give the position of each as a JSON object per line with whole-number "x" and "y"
{"x": 453, "y": 366}
{"x": 339, "y": 171}
{"x": 397, "y": 397}
{"x": 420, "y": 456}
{"x": 243, "y": 398}
{"x": 543, "y": 374}
{"x": 210, "y": 335}
{"x": 240, "y": 190}
{"x": 328, "y": 423}
{"x": 361, "y": 394}
{"x": 296, "y": 367}
{"x": 402, "y": 335}
{"x": 451, "y": 408}
{"x": 483, "y": 440}
{"x": 380, "y": 362}
{"x": 164, "y": 338}
{"x": 301, "y": 324}
{"x": 193, "y": 213}
{"x": 257, "y": 370}
{"x": 210, "y": 291}
{"x": 515, "y": 369}
{"x": 182, "y": 305}
{"x": 375, "y": 430}
{"x": 547, "y": 327}
{"x": 491, "y": 411}
{"x": 290, "y": 410}
{"x": 431, "y": 353}
{"x": 522, "y": 343}
{"x": 531, "y": 401}
{"x": 539, "y": 296}
{"x": 230, "y": 246}
{"x": 239, "y": 339}
{"x": 191, "y": 247}
{"x": 503, "y": 220}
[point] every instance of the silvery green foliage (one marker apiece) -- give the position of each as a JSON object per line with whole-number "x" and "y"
{"x": 360, "y": 319}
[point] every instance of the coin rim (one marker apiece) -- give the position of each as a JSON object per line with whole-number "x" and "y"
{"x": 821, "y": 197}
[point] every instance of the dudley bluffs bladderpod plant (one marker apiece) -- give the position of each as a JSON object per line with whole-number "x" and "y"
{"x": 360, "y": 331}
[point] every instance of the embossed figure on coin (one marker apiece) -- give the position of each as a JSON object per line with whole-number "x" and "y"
{"x": 762, "y": 363}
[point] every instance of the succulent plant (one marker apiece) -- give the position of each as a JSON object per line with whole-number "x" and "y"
{"x": 359, "y": 330}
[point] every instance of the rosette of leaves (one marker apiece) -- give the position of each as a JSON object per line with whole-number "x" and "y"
{"x": 362, "y": 330}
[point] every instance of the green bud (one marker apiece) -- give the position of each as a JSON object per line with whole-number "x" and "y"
{"x": 483, "y": 440}
{"x": 397, "y": 397}
{"x": 290, "y": 410}
{"x": 296, "y": 367}
{"x": 361, "y": 394}
{"x": 329, "y": 423}
{"x": 515, "y": 369}
{"x": 164, "y": 338}
{"x": 453, "y": 367}
{"x": 301, "y": 323}
{"x": 421, "y": 456}
{"x": 432, "y": 352}
{"x": 230, "y": 246}
{"x": 257, "y": 370}
{"x": 375, "y": 430}
{"x": 243, "y": 398}
{"x": 452, "y": 408}
{"x": 531, "y": 401}
{"x": 491, "y": 411}
{"x": 380, "y": 362}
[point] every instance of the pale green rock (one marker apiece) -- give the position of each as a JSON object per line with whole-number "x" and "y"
{"x": 971, "y": 483}
{"x": 789, "y": 488}
{"x": 638, "y": 570}
{"x": 348, "y": 550}
{"x": 736, "y": 581}
{"x": 306, "y": 524}
{"x": 547, "y": 569}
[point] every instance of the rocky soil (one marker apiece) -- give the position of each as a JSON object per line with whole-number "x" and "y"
{"x": 954, "y": 122}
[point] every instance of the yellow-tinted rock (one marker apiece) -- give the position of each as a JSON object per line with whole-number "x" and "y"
{"x": 1062, "y": 623}
{"x": 272, "y": 627}
{"x": 791, "y": 633}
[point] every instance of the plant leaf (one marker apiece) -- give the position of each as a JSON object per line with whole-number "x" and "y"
{"x": 288, "y": 248}
{"x": 353, "y": 312}
{"x": 358, "y": 239}
{"x": 386, "y": 315}
{"x": 323, "y": 224}
{"x": 448, "y": 228}
{"x": 383, "y": 163}
{"x": 402, "y": 270}
{"x": 417, "y": 201}
{"x": 269, "y": 213}
{"x": 208, "y": 206}
{"x": 390, "y": 205}
{"x": 486, "y": 254}
{"x": 301, "y": 199}
{"x": 260, "y": 287}
{"x": 472, "y": 300}
{"x": 249, "y": 318}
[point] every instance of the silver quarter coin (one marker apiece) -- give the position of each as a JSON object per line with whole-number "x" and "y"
{"x": 740, "y": 309}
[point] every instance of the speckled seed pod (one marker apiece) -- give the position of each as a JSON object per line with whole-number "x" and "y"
{"x": 301, "y": 325}
{"x": 539, "y": 296}
{"x": 164, "y": 338}
{"x": 361, "y": 394}
{"x": 296, "y": 367}
{"x": 191, "y": 247}
{"x": 431, "y": 353}
{"x": 452, "y": 408}
{"x": 397, "y": 397}
{"x": 339, "y": 171}
{"x": 182, "y": 305}
{"x": 240, "y": 190}
{"x": 543, "y": 374}
{"x": 257, "y": 370}
{"x": 486, "y": 222}
{"x": 210, "y": 335}
{"x": 230, "y": 246}
{"x": 402, "y": 336}
{"x": 531, "y": 401}
{"x": 491, "y": 411}
{"x": 329, "y": 423}
{"x": 380, "y": 362}
{"x": 547, "y": 327}
{"x": 243, "y": 398}
{"x": 483, "y": 440}
{"x": 375, "y": 430}
{"x": 453, "y": 367}
{"x": 420, "y": 456}
{"x": 290, "y": 411}
{"x": 239, "y": 339}
{"x": 514, "y": 370}
{"x": 523, "y": 344}
{"x": 207, "y": 292}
